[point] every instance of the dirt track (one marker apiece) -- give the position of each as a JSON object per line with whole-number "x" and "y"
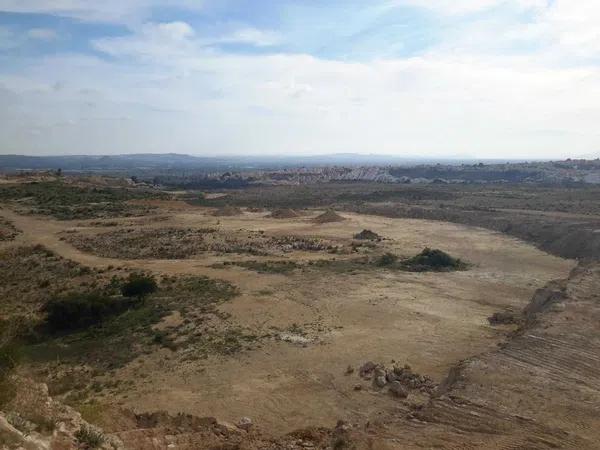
{"x": 430, "y": 320}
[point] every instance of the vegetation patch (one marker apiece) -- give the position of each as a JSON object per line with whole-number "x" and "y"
{"x": 427, "y": 261}
{"x": 30, "y": 275}
{"x": 282, "y": 267}
{"x": 81, "y": 310}
{"x": 89, "y": 437}
{"x": 139, "y": 285}
{"x": 106, "y": 329}
{"x": 132, "y": 243}
{"x": 184, "y": 243}
{"x": 433, "y": 260}
{"x": 67, "y": 202}
{"x": 367, "y": 235}
{"x": 7, "y": 230}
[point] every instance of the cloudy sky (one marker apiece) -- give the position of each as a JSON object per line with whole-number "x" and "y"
{"x": 480, "y": 78}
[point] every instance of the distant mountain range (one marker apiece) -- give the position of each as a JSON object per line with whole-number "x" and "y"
{"x": 144, "y": 162}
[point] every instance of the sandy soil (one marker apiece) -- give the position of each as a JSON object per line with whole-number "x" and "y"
{"x": 430, "y": 320}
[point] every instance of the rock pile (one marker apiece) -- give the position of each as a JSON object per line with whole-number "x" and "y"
{"x": 399, "y": 380}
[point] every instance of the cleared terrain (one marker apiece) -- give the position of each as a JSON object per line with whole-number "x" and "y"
{"x": 312, "y": 323}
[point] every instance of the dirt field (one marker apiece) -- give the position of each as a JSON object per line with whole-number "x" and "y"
{"x": 315, "y": 323}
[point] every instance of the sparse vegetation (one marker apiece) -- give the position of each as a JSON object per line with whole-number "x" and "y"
{"x": 282, "y": 267}
{"x": 183, "y": 243}
{"x": 7, "y": 230}
{"x": 67, "y": 202}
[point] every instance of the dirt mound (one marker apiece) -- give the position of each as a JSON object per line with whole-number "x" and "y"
{"x": 367, "y": 235}
{"x": 328, "y": 216}
{"x": 285, "y": 213}
{"x": 226, "y": 211}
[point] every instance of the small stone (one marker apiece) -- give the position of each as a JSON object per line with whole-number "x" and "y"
{"x": 245, "y": 423}
{"x": 390, "y": 376}
{"x": 380, "y": 381}
{"x": 358, "y": 387}
{"x": 379, "y": 372}
{"x": 398, "y": 390}
{"x": 367, "y": 368}
{"x": 349, "y": 370}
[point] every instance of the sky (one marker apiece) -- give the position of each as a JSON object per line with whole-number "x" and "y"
{"x": 434, "y": 78}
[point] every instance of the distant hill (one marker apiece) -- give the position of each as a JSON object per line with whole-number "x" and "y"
{"x": 149, "y": 161}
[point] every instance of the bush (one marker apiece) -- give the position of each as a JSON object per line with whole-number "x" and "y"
{"x": 139, "y": 286}
{"x": 367, "y": 235}
{"x": 89, "y": 437}
{"x": 436, "y": 260}
{"x": 387, "y": 259}
{"x": 80, "y": 310}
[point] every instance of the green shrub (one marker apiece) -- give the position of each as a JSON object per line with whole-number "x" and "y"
{"x": 139, "y": 285}
{"x": 80, "y": 310}
{"x": 387, "y": 259}
{"x": 89, "y": 437}
{"x": 435, "y": 260}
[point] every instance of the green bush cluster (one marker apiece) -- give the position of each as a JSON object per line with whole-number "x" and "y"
{"x": 387, "y": 259}
{"x": 433, "y": 259}
{"x": 89, "y": 437}
{"x": 428, "y": 260}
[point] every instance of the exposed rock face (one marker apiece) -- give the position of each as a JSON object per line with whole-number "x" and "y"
{"x": 34, "y": 421}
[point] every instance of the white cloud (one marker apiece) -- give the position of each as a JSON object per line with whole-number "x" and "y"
{"x": 202, "y": 101}
{"x": 151, "y": 41}
{"x": 251, "y": 36}
{"x": 573, "y": 26}
{"x": 457, "y": 7}
{"x": 170, "y": 89}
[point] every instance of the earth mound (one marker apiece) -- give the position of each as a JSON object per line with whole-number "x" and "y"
{"x": 328, "y": 216}
{"x": 367, "y": 235}
{"x": 226, "y": 211}
{"x": 285, "y": 213}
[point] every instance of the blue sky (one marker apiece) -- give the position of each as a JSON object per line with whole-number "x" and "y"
{"x": 481, "y": 78}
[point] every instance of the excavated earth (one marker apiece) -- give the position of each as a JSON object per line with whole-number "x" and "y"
{"x": 532, "y": 386}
